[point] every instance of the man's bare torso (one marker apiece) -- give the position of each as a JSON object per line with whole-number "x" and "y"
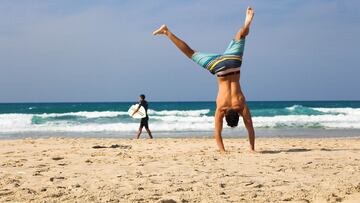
{"x": 229, "y": 93}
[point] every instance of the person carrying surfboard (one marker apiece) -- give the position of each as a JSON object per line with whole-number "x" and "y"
{"x": 144, "y": 121}
{"x": 230, "y": 102}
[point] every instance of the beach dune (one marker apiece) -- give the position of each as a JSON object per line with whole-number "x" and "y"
{"x": 179, "y": 170}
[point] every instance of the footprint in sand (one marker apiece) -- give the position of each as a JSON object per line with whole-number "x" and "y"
{"x": 249, "y": 183}
{"x": 167, "y": 201}
{"x": 57, "y": 158}
{"x": 5, "y": 192}
{"x": 14, "y": 163}
{"x": 57, "y": 195}
{"x": 56, "y": 177}
{"x": 40, "y": 171}
{"x": 258, "y": 186}
{"x": 30, "y": 191}
{"x": 11, "y": 152}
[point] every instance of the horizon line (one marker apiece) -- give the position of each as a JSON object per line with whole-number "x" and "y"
{"x": 171, "y": 101}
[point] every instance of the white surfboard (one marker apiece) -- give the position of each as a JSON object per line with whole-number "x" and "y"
{"x": 139, "y": 114}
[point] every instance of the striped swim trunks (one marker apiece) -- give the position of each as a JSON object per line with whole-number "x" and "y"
{"x": 217, "y": 63}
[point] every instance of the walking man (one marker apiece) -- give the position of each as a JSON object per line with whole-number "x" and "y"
{"x": 144, "y": 121}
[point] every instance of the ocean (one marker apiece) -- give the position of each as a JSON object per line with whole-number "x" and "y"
{"x": 177, "y": 119}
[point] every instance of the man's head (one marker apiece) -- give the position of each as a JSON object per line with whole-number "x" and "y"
{"x": 142, "y": 96}
{"x": 231, "y": 117}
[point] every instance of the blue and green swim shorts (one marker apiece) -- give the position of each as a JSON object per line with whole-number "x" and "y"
{"x": 216, "y": 63}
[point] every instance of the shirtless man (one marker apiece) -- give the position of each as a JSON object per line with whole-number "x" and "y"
{"x": 230, "y": 101}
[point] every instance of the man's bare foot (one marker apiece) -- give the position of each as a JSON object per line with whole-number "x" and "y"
{"x": 249, "y": 15}
{"x": 161, "y": 31}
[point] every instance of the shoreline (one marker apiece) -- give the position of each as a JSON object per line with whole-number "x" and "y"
{"x": 210, "y": 136}
{"x": 334, "y": 135}
{"x": 179, "y": 169}
{"x": 227, "y": 133}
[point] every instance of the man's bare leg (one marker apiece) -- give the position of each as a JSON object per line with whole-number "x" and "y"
{"x": 245, "y": 113}
{"x": 244, "y": 31}
{"x": 139, "y": 133}
{"x": 149, "y": 132}
{"x": 163, "y": 30}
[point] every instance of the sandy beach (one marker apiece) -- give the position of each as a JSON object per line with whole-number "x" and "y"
{"x": 179, "y": 170}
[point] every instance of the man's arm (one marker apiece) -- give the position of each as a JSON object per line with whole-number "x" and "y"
{"x": 219, "y": 115}
{"x": 136, "y": 110}
{"x": 245, "y": 113}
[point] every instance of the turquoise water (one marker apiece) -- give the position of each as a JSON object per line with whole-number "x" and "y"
{"x": 292, "y": 118}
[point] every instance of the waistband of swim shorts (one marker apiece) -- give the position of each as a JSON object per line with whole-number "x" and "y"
{"x": 231, "y": 71}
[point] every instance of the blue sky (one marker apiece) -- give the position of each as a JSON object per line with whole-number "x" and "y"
{"x": 104, "y": 50}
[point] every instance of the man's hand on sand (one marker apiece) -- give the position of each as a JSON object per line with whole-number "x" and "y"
{"x": 253, "y": 151}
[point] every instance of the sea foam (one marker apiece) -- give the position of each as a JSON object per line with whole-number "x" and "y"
{"x": 296, "y": 116}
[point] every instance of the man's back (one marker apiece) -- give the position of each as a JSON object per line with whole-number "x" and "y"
{"x": 230, "y": 94}
{"x": 144, "y": 103}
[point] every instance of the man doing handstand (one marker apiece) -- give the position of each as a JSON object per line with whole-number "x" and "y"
{"x": 230, "y": 101}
